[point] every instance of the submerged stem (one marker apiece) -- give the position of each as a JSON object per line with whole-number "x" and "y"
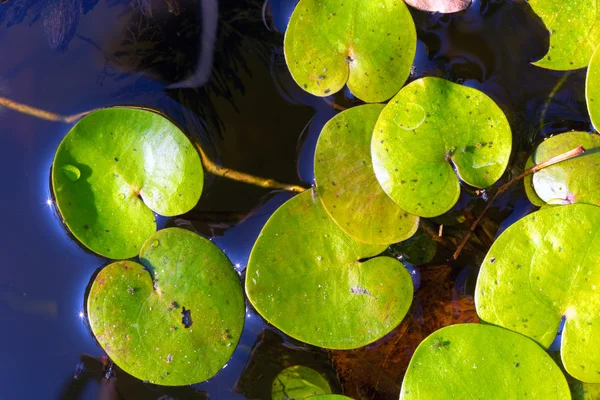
{"x": 209, "y": 165}
{"x": 38, "y": 113}
{"x": 549, "y": 162}
{"x": 224, "y": 172}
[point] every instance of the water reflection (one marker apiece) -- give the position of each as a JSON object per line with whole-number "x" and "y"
{"x": 250, "y": 116}
{"x": 111, "y": 383}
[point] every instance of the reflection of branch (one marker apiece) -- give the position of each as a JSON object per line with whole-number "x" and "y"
{"x": 551, "y": 161}
{"x": 209, "y": 165}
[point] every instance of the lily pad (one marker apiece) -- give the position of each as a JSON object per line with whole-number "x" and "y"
{"x": 469, "y": 361}
{"x": 429, "y": 129}
{"x": 347, "y": 185}
{"x": 592, "y": 89}
{"x": 573, "y": 181}
{"x": 529, "y": 189}
{"x": 369, "y": 44}
{"x": 585, "y": 391}
{"x": 543, "y": 268}
{"x": 441, "y": 6}
{"x": 299, "y": 382}
{"x": 176, "y": 319}
{"x": 320, "y": 286}
{"x": 574, "y": 27}
{"x": 115, "y": 168}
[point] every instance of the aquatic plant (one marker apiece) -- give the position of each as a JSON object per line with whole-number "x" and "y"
{"x": 318, "y": 271}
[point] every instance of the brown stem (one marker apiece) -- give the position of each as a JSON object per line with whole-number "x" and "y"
{"x": 218, "y": 170}
{"x": 36, "y": 112}
{"x": 434, "y": 234}
{"x": 208, "y": 164}
{"x": 334, "y": 105}
{"x": 549, "y": 162}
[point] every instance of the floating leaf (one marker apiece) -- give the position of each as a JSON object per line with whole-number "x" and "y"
{"x": 579, "y": 390}
{"x": 310, "y": 279}
{"x": 347, "y": 185}
{"x": 574, "y": 27}
{"x": 299, "y": 382}
{"x": 545, "y": 267}
{"x": 528, "y": 183}
{"x": 592, "y": 89}
{"x": 431, "y": 127}
{"x": 272, "y": 353}
{"x": 114, "y": 168}
{"x": 175, "y": 320}
{"x": 482, "y": 361}
{"x": 441, "y": 6}
{"x": 585, "y": 391}
{"x": 370, "y": 44}
{"x": 573, "y": 181}
{"x": 376, "y": 371}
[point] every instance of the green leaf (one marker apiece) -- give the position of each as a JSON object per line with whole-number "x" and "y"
{"x": 310, "y": 279}
{"x": 574, "y": 27}
{"x": 473, "y": 361}
{"x": 528, "y": 183}
{"x": 544, "y": 267}
{"x": 114, "y": 168}
{"x": 347, "y": 185}
{"x": 585, "y": 391}
{"x": 330, "y": 397}
{"x": 430, "y": 127}
{"x": 441, "y": 6}
{"x": 592, "y": 89}
{"x": 299, "y": 382}
{"x": 573, "y": 181}
{"x": 579, "y": 390}
{"x": 369, "y": 44}
{"x": 175, "y": 320}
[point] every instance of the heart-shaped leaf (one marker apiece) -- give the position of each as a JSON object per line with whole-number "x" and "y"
{"x": 369, "y": 44}
{"x": 574, "y": 27}
{"x": 573, "y": 181}
{"x": 429, "y": 129}
{"x": 544, "y": 267}
{"x": 114, "y": 168}
{"x": 347, "y": 185}
{"x": 310, "y": 279}
{"x": 474, "y": 361}
{"x": 441, "y": 6}
{"x": 299, "y": 382}
{"x": 175, "y": 320}
{"x": 592, "y": 89}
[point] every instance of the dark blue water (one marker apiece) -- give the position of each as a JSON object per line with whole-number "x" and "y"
{"x": 250, "y": 116}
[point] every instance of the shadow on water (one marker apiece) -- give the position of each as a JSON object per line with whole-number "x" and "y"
{"x": 75, "y": 55}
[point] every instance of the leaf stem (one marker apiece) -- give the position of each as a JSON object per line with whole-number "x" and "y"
{"x": 545, "y": 164}
{"x": 218, "y": 170}
{"x": 38, "y": 113}
{"x": 209, "y": 165}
